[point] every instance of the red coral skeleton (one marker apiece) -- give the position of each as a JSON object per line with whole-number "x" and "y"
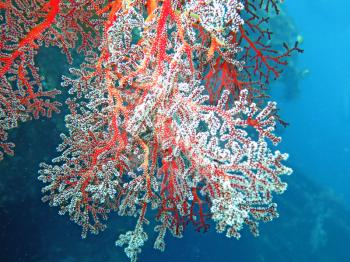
{"x": 167, "y": 112}
{"x": 26, "y": 25}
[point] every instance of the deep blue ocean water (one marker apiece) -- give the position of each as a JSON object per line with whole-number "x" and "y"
{"x": 314, "y": 222}
{"x": 319, "y": 136}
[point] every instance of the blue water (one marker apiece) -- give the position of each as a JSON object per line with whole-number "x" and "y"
{"x": 318, "y": 138}
{"x": 314, "y": 223}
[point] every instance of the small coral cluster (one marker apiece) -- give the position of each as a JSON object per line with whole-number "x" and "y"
{"x": 25, "y": 26}
{"x": 167, "y": 114}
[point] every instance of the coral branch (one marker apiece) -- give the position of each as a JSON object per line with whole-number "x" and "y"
{"x": 169, "y": 114}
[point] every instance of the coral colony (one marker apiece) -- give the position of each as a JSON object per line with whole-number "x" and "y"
{"x": 168, "y": 121}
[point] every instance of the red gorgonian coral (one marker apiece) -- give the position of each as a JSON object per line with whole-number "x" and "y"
{"x": 167, "y": 113}
{"x": 25, "y": 26}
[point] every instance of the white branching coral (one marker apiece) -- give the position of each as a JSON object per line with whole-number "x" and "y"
{"x": 228, "y": 210}
{"x": 134, "y": 240}
{"x": 144, "y": 131}
{"x": 216, "y": 15}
